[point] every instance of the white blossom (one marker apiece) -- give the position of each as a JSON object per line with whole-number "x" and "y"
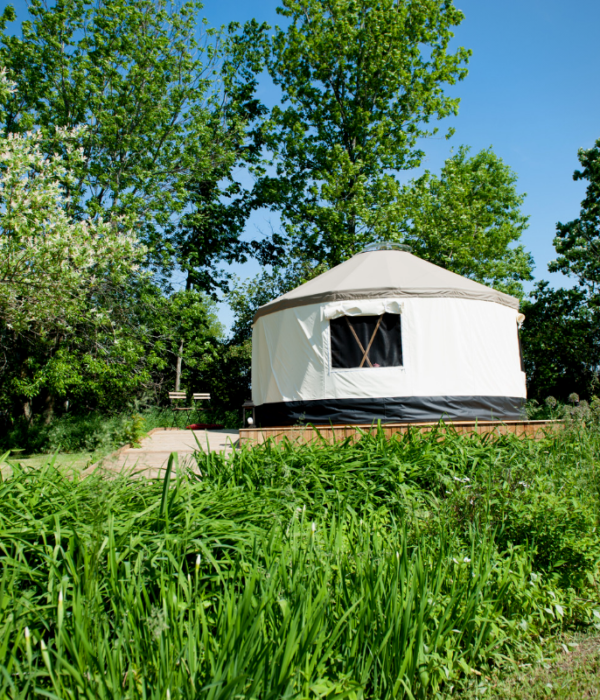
{"x": 48, "y": 259}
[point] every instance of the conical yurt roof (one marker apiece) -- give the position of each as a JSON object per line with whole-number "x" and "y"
{"x": 383, "y": 273}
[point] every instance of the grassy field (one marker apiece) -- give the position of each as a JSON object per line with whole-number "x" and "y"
{"x": 414, "y": 568}
{"x": 66, "y": 461}
{"x": 573, "y": 675}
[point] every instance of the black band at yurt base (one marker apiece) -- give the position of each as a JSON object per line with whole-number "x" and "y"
{"x": 403, "y": 409}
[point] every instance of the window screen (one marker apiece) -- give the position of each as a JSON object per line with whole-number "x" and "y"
{"x": 366, "y": 341}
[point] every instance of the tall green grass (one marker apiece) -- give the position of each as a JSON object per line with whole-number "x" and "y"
{"x": 386, "y": 569}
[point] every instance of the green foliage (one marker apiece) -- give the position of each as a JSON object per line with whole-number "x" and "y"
{"x": 381, "y": 569}
{"x": 169, "y": 113}
{"x": 51, "y": 264}
{"x": 228, "y": 376}
{"x": 145, "y": 118}
{"x": 468, "y": 219}
{"x": 189, "y": 316}
{"x": 218, "y": 204}
{"x": 360, "y": 82}
{"x": 578, "y": 242}
{"x": 140, "y": 78}
{"x": 561, "y": 343}
{"x": 109, "y": 368}
{"x": 135, "y": 430}
{"x": 74, "y": 433}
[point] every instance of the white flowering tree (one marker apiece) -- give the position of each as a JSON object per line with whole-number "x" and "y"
{"x": 58, "y": 277}
{"x": 50, "y": 264}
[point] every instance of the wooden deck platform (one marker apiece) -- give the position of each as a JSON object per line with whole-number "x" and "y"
{"x": 536, "y": 429}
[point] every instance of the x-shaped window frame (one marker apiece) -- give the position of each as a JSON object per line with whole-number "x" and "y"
{"x": 360, "y": 345}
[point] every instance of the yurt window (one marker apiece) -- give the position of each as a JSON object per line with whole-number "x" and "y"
{"x": 366, "y": 341}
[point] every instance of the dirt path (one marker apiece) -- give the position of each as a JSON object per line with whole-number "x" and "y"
{"x": 152, "y": 456}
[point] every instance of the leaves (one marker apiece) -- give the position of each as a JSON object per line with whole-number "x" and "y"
{"x": 468, "y": 219}
{"x": 578, "y": 242}
{"x": 561, "y": 343}
{"x": 50, "y": 263}
{"x": 126, "y": 117}
{"x": 360, "y": 82}
{"x": 215, "y": 584}
{"x": 143, "y": 83}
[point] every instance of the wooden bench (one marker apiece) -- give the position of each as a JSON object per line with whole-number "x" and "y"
{"x": 176, "y": 396}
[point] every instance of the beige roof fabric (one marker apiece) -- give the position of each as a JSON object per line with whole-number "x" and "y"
{"x": 382, "y": 274}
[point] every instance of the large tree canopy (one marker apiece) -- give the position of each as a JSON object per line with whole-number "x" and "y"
{"x": 468, "y": 219}
{"x": 210, "y": 231}
{"x": 360, "y": 82}
{"x": 156, "y": 98}
{"x": 61, "y": 278}
{"x": 79, "y": 320}
{"x": 561, "y": 335}
{"x": 578, "y": 242}
{"x": 160, "y": 113}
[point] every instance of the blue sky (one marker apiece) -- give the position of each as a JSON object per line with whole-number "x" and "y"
{"x": 532, "y": 93}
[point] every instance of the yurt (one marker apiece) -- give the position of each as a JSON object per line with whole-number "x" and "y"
{"x": 387, "y": 336}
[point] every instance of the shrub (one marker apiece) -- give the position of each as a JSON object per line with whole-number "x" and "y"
{"x": 92, "y": 433}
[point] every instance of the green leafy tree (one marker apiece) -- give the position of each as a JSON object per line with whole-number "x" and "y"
{"x": 160, "y": 115}
{"x": 210, "y": 231}
{"x": 56, "y": 272}
{"x": 49, "y": 264}
{"x": 143, "y": 82}
{"x": 113, "y": 366}
{"x": 360, "y": 81}
{"x": 561, "y": 343}
{"x": 102, "y": 359}
{"x": 227, "y": 375}
{"x": 468, "y": 219}
{"x": 186, "y": 331}
{"x": 578, "y": 242}
{"x": 561, "y": 335}
{"x": 79, "y": 322}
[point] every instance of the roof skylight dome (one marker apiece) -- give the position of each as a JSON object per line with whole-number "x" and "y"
{"x": 386, "y": 245}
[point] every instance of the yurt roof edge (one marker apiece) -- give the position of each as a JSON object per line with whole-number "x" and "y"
{"x": 282, "y": 303}
{"x": 368, "y": 276}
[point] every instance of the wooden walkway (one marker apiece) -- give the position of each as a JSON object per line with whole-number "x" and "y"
{"x": 536, "y": 429}
{"x": 151, "y": 458}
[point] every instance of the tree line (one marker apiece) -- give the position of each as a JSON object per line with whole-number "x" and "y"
{"x": 135, "y": 147}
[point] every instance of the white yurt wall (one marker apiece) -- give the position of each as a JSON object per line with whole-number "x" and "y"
{"x": 450, "y": 347}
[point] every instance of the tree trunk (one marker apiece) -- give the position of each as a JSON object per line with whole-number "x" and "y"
{"x": 49, "y": 409}
{"x": 178, "y": 370}
{"x": 27, "y": 412}
{"x": 188, "y": 286}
